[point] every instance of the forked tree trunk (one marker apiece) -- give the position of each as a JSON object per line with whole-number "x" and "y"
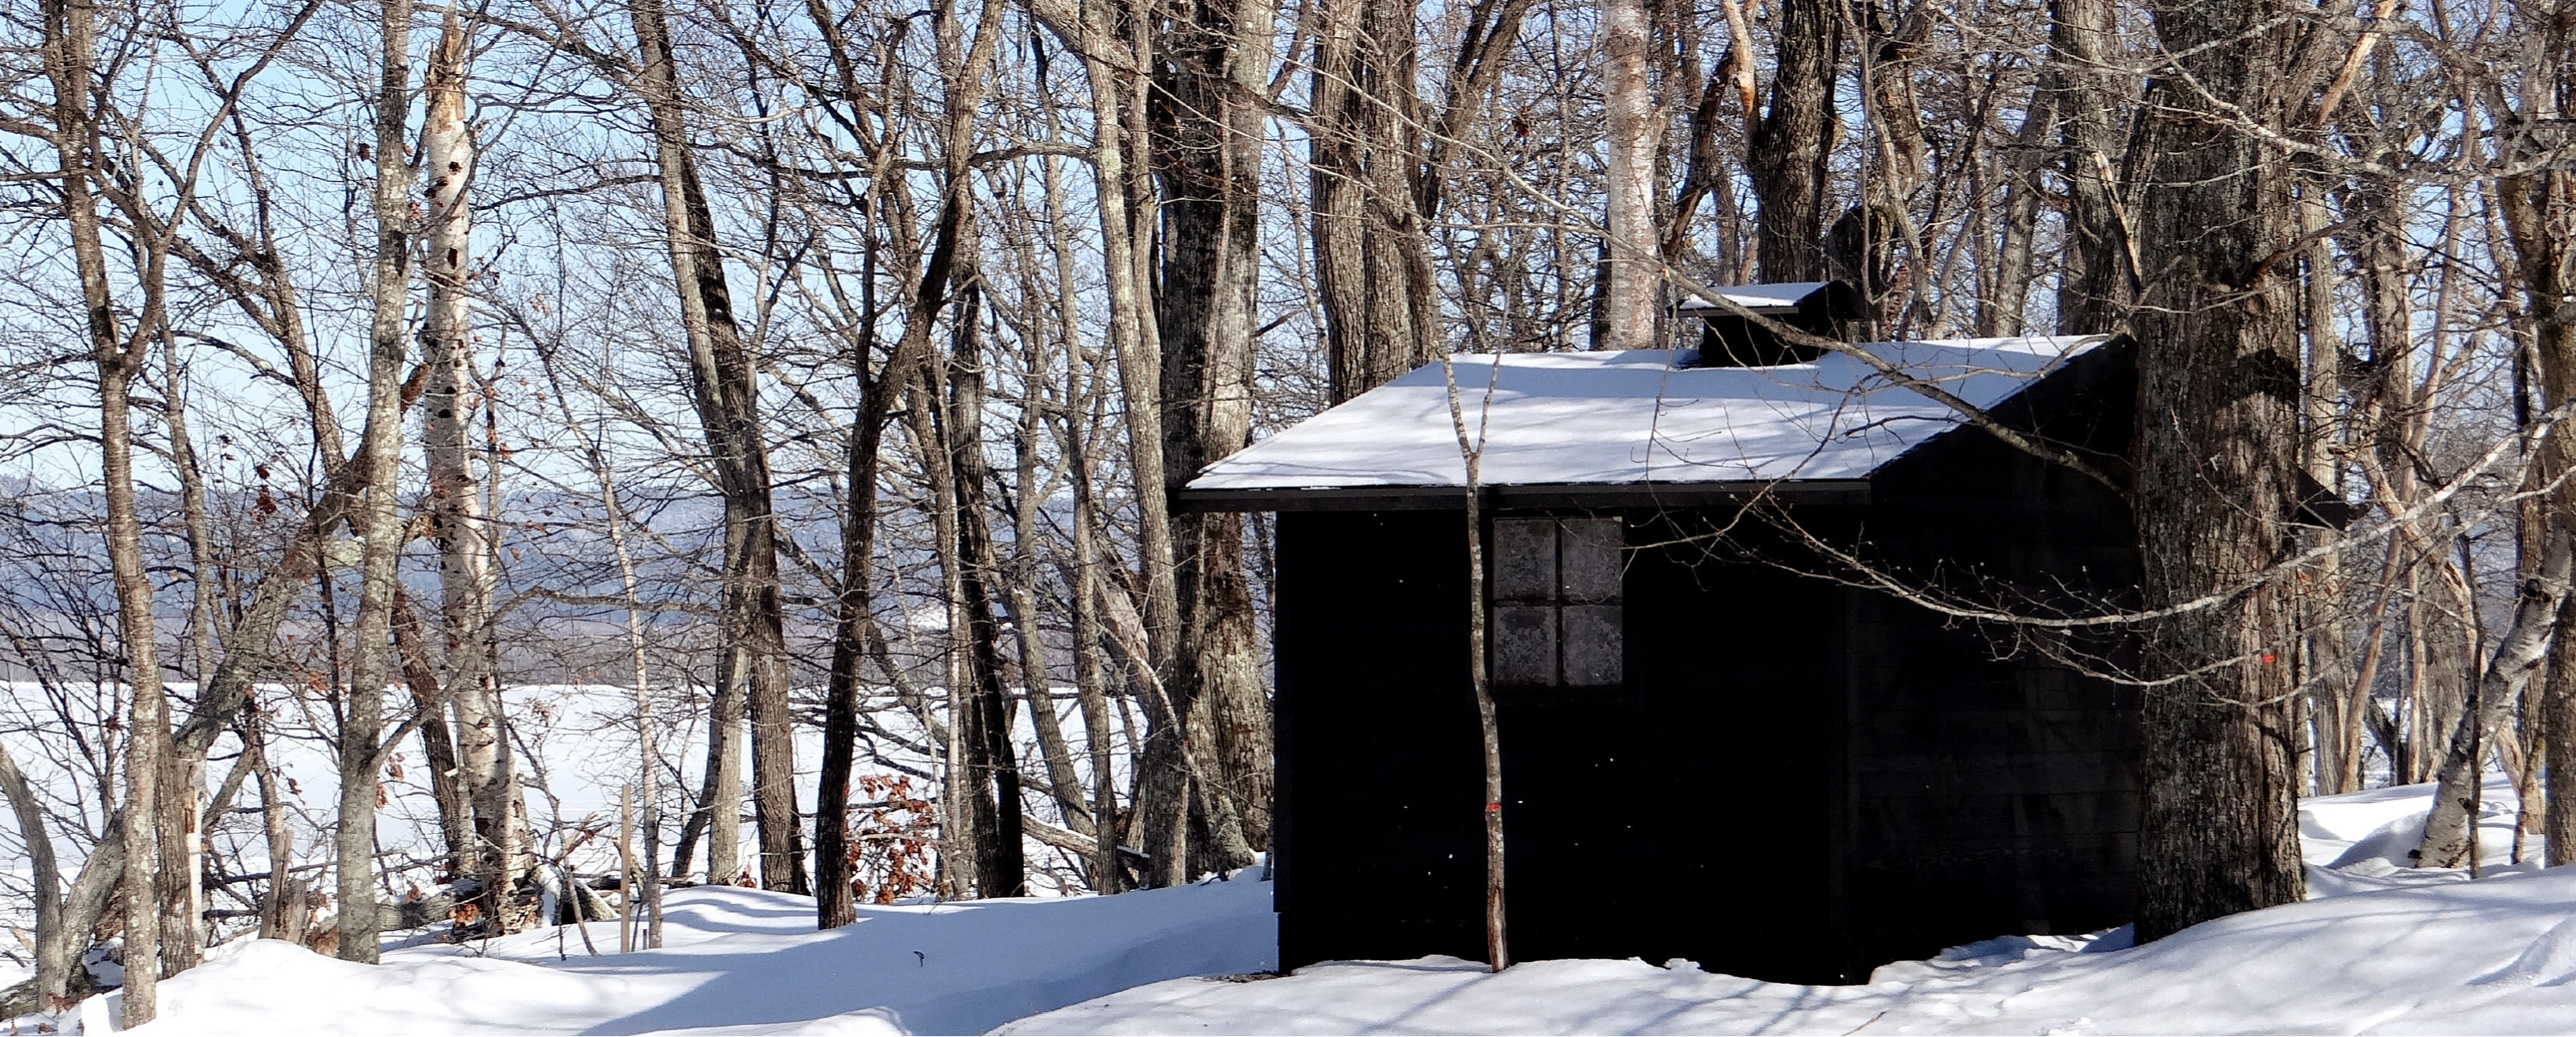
{"x": 70, "y": 28}
{"x": 1471, "y": 449}
{"x": 1372, "y": 258}
{"x": 2450, "y": 830}
{"x": 1215, "y": 807}
{"x": 1786, "y": 157}
{"x": 722, "y": 381}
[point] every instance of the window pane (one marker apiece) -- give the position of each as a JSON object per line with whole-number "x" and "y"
{"x": 1590, "y": 561}
{"x": 1524, "y": 645}
{"x": 1593, "y": 646}
{"x": 1524, "y": 553}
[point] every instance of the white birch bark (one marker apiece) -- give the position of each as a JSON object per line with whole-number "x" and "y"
{"x": 1628, "y": 299}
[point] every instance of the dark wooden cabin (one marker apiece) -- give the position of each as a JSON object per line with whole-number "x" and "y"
{"x": 1710, "y": 752}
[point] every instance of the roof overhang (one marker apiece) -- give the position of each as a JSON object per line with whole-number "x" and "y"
{"x": 1560, "y": 495}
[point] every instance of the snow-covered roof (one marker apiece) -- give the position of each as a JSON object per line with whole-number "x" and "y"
{"x": 1759, "y": 297}
{"x": 1593, "y": 419}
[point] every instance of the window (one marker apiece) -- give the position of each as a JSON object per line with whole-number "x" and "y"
{"x": 1556, "y": 607}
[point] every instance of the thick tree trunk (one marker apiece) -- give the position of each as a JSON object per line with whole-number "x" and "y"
{"x": 2218, "y": 429}
{"x": 2539, "y": 210}
{"x": 1786, "y": 159}
{"x": 1208, "y": 158}
{"x": 2084, "y": 48}
{"x": 1372, "y": 258}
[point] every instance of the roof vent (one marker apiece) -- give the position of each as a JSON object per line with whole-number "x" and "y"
{"x": 1818, "y": 308}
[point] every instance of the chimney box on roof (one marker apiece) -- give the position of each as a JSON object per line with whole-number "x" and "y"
{"x": 1818, "y": 308}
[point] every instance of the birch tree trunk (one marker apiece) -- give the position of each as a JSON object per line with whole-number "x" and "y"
{"x": 1628, "y": 294}
{"x": 500, "y": 855}
{"x": 2449, "y": 831}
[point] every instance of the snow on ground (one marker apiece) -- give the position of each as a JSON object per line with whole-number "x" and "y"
{"x": 741, "y": 961}
{"x": 2381, "y": 949}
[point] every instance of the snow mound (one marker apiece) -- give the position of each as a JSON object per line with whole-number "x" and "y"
{"x": 741, "y": 961}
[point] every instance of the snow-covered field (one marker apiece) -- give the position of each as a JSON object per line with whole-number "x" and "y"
{"x": 2382, "y": 949}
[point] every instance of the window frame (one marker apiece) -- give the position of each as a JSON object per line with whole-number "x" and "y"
{"x": 1556, "y": 602}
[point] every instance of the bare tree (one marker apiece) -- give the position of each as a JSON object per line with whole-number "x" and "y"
{"x": 722, "y": 383}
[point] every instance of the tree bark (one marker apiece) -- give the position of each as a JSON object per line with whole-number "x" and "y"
{"x": 1628, "y": 291}
{"x": 1209, "y": 133}
{"x": 2539, "y": 210}
{"x": 982, "y": 717}
{"x": 2218, "y": 428}
{"x": 1372, "y": 257}
{"x": 500, "y": 855}
{"x": 2084, "y": 44}
{"x": 70, "y": 28}
{"x": 2450, "y": 830}
{"x": 55, "y": 956}
{"x": 376, "y": 518}
{"x": 1786, "y": 158}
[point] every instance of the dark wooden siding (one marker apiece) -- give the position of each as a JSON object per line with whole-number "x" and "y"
{"x": 1380, "y": 766}
{"x": 1729, "y": 840}
{"x": 1993, "y": 791}
{"x": 1633, "y": 813}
